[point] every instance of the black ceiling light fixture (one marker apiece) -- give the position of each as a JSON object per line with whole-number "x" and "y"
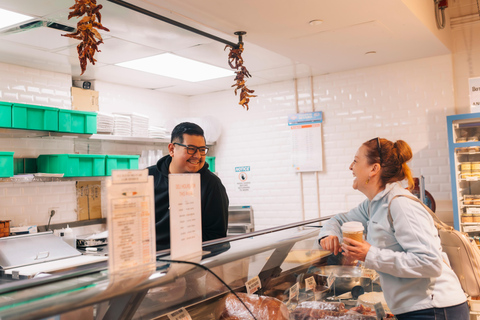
{"x": 440, "y": 6}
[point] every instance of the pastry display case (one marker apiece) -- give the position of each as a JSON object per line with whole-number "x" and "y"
{"x": 464, "y": 153}
{"x": 282, "y": 258}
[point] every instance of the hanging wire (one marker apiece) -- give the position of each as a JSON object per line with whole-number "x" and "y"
{"x": 215, "y": 275}
{"x": 440, "y": 20}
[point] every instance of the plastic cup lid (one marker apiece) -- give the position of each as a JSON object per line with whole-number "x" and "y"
{"x": 352, "y": 226}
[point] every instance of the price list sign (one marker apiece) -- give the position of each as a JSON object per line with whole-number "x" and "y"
{"x": 185, "y": 215}
{"x": 306, "y": 129}
{"x": 131, "y": 227}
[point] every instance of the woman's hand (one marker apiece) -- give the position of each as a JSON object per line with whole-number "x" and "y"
{"x": 331, "y": 243}
{"x": 355, "y": 249}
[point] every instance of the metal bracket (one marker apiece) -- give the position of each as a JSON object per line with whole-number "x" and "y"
{"x": 240, "y": 35}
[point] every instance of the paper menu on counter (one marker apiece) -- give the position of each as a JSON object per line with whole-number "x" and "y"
{"x": 185, "y": 215}
{"x": 131, "y": 226}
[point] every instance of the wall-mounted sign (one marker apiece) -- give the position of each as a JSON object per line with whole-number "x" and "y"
{"x": 307, "y": 146}
{"x": 474, "y": 88}
{"x": 243, "y": 180}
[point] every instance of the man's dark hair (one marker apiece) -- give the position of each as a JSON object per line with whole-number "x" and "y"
{"x": 188, "y": 128}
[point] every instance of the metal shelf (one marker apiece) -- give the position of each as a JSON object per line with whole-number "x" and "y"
{"x": 20, "y": 133}
{"x": 17, "y": 179}
{"x": 132, "y": 140}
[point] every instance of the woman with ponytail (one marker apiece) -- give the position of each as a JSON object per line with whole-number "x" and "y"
{"x": 403, "y": 246}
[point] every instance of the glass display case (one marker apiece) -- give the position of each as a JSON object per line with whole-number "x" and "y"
{"x": 282, "y": 258}
{"x": 464, "y": 153}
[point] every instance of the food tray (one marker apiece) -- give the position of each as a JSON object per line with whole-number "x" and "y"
{"x": 72, "y": 165}
{"x": 77, "y": 121}
{"x": 31, "y": 117}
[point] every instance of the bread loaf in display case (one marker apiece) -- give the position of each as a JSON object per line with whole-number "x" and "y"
{"x": 309, "y": 310}
{"x": 262, "y": 307}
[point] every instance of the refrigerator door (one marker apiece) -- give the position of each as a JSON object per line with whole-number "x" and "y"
{"x": 464, "y": 153}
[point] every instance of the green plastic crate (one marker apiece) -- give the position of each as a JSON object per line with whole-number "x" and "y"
{"x": 72, "y": 165}
{"x": 30, "y": 165}
{"x": 77, "y": 121}
{"x": 211, "y": 163}
{"x": 25, "y": 116}
{"x": 18, "y": 166}
{"x": 24, "y": 165}
{"x": 115, "y": 162}
{"x": 6, "y": 164}
{"x": 5, "y": 114}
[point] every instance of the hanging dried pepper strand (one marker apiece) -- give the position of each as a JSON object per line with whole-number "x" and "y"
{"x": 235, "y": 61}
{"x": 87, "y": 31}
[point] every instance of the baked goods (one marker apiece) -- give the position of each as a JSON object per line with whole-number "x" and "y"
{"x": 315, "y": 310}
{"x": 308, "y": 310}
{"x": 262, "y": 307}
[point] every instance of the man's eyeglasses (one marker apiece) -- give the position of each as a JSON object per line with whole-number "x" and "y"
{"x": 192, "y": 149}
{"x": 379, "y": 148}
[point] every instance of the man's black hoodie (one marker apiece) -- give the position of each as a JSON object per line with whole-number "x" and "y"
{"x": 213, "y": 197}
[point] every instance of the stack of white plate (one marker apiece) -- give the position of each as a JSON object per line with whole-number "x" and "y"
{"x": 122, "y": 125}
{"x": 139, "y": 125}
{"x": 105, "y": 122}
{"x": 157, "y": 132}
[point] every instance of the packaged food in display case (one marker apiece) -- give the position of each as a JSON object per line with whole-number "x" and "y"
{"x": 464, "y": 154}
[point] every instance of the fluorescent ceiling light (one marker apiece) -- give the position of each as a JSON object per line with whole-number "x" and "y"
{"x": 173, "y": 66}
{"x": 9, "y": 18}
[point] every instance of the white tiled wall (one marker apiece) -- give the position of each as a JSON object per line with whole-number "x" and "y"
{"x": 466, "y": 60}
{"x": 33, "y": 86}
{"x": 408, "y": 100}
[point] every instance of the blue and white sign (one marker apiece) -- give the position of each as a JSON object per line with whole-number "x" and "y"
{"x": 307, "y": 153}
{"x": 242, "y": 183}
{"x": 305, "y": 118}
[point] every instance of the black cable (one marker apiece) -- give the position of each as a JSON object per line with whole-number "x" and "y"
{"x": 52, "y": 213}
{"x": 207, "y": 269}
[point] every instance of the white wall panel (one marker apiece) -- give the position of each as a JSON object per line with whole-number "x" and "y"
{"x": 408, "y": 100}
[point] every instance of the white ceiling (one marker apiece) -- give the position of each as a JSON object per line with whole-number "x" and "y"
{"x": 279, "y": 45}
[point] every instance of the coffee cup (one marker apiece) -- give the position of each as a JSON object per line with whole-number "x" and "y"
{"x": 353, "y": 230}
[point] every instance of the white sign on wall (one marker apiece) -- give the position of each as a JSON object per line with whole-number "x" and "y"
{"x": 243, "y": 178}
{"x": 307, "y": 146}
{"x": 474, "y": 89}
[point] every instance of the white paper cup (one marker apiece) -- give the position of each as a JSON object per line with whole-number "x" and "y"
{"x": 353, "y": 230}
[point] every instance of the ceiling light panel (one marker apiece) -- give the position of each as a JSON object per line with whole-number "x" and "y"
{"x": 10, "y": 18}
{"x": 173, "y": 66}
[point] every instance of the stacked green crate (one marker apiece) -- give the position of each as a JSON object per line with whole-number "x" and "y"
{"x": 25, "y": 116}
{"x": 115, "y": 162}
{"x": 77, "y": 121}
{"x": 6, "y": 164}
{"x": 5, "y": 114}
{"x": 24, "y": 165}
{"x": 72, "y": 165}
{"x": 211, "y": 163}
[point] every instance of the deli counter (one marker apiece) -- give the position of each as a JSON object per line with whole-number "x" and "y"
{"x": 282, "y": 258}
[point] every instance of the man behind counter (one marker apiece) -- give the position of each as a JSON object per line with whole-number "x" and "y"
{"x": 187, "y": 151}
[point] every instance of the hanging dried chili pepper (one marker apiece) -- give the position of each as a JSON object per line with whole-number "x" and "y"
{"x": 87, "y": 31}
{"x": 235, "y": 61}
